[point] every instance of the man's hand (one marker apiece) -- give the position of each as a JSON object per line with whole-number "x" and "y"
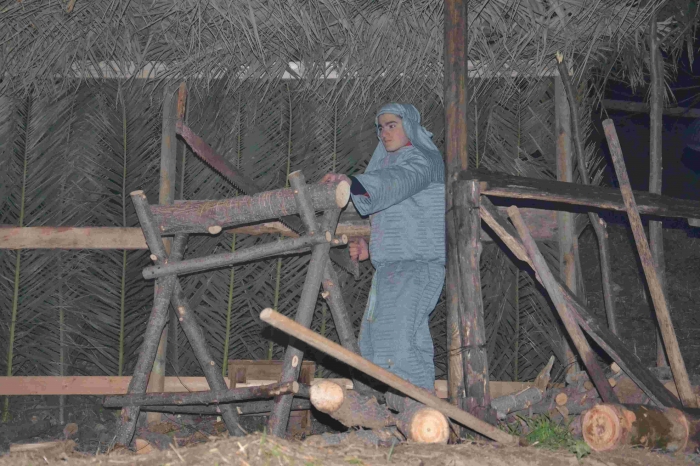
{"x": 359, "y": 251}
{"x": 334, "y": 178}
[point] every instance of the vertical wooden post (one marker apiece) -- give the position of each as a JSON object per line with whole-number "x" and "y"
{"x": 565, "y": 220}
{"x": 168, "y": 159}
{"x": 475, "y": 356}
{"x": 663, "y": 315}
{"x": 455, "y": 95}
{"x": 656, "y": 103}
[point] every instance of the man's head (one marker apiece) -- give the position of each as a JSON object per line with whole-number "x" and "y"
{"x": 391, "y": 132}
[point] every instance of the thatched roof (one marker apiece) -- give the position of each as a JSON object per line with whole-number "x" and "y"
{"x": 72, "y": 149}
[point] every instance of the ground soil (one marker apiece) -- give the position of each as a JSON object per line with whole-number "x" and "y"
{"x": 259, "y": 450}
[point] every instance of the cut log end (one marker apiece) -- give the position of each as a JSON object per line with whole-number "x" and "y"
{"x": 327, "y": 396}
{"x": 329, "y": 236}
{"x": 214, "y": 230}
{"x": 603, "y": 427}
{"x": 429, "y": 425}
{"x": 342, "y": 194}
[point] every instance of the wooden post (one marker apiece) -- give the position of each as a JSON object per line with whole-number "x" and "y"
{"x": 471, "y": 306}
{"x": 565, "y": 220}
{"x": 656, "y": 104}
{"x": 311, "y": 338}
{"x": 663, "y": 315}
{"x": 168, "y": 162}
{"x": 549, "y": 282}
{"x": 598, "y": 224}
{"x": 455, "y": 92}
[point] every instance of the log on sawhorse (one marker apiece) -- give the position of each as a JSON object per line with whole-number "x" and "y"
{"x": 168, "y": 288}
{"x": 608, "y": 342}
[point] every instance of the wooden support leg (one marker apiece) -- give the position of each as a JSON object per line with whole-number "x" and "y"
{"x": 608, "y": 341}
{"x": 680, "y": 374}
{"x": 184, "y": 312}
{"x": 343, "y": 326}
{"x": 279, "y": 416}
{"x": 584, "y": 350}
{"x": 475, "y": 356}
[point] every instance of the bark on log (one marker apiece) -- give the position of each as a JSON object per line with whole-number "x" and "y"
{"x": 516, "y": 402}
{"x": 349, "y": 407}
{"x": 611, "y": 426}
{"x": 471, "y": 306}
{"x": 199, "y": 216}
{"x": 293, "y": 356}
{"x": 549, "y": 282}
{"x": 253, "y": 253}
{"x": 456, "y": 144}
{"x": 680, "y": 374}
{"x": 422, "y": 424}
{"x": 333, "y": 349}
{"x": 202, "y": 398}
{"x": 520, "y": 187}
{"x": 243, "y": 408}
{"x": 608, "y": 341}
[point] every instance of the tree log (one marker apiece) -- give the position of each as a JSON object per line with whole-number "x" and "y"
{"x": 202, "y": 398}
{"x": 516, "y": 402}
{"x": 198, "y": 216}
{"x": 349, "y": 407}
{"x": 611, "y": 426}
{"x": 422, "y": 424}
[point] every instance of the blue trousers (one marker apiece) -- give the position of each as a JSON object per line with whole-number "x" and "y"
{"x": 394, "y": 333}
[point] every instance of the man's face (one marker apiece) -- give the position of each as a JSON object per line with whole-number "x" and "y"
{"x": 391, "y": 132}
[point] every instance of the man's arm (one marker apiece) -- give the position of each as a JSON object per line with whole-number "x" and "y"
{"x": 391, "y": 185}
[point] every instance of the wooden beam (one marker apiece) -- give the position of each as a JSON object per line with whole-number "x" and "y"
{"x": 520, "y": 187}
{"x": 642, "y": 107}
{"x": 663, "y": 315}
{"x": 113, "y": 385}
{"x": 542, "y": 223}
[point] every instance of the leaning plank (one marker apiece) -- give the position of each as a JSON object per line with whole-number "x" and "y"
{"x": 208, "y": 216}
{"x": 663, "y": 315}
{"x": 608, "y": 341}
{"x": 547, "y": 279}
{"x": 520, "y": 187}
{"x": 71, "y": 238}
{"x": 302, "y": 333}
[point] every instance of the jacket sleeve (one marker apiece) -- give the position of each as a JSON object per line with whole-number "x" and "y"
{"x": 385, "y": 187}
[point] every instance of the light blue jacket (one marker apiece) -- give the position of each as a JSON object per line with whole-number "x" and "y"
{"x": 406, "y": 196}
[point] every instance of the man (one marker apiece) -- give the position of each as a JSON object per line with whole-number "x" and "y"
{"x": 403, "y": 192}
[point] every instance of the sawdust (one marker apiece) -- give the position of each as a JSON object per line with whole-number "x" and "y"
{"x": 261, "y": 450}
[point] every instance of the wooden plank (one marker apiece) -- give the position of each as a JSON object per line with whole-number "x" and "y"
{"x": 663, "y": 315}
{"x": 71, "y": 238}
{"x": 643, "y": 107}
{"x": 532, "y": 189}
{"x": 113, "y": 385}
